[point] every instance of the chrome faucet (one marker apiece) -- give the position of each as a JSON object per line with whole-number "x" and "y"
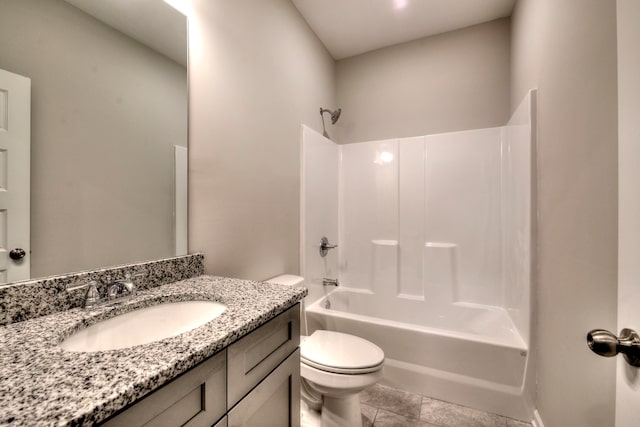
{"x": 122, "y": 288}
{"x": 118, "y": 290}
{"x": 330, "y": 282}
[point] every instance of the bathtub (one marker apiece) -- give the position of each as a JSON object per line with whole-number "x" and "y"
{"x": 468, "y": 354}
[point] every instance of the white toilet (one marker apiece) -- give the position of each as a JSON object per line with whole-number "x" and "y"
{"x": 337, "y": 366}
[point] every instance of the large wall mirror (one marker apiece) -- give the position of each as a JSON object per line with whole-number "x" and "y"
{"x": 108, "y": 130}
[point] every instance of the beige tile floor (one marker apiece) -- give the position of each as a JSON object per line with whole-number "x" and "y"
{"x": 387, "y": 407}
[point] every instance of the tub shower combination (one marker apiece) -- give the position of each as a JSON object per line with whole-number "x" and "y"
{"x": 434, "y": 256}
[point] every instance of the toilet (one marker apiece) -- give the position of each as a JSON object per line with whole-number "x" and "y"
{"x": 335, "y": 368}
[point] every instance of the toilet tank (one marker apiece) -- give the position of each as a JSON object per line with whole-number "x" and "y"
{"x": 293, "y": 280}
{"x": 287, "y": 280}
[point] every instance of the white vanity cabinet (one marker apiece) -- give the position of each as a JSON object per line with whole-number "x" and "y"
{"x": 253, "y": 382}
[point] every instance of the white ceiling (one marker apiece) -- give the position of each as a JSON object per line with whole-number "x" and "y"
{"x": 151, "y": 22}
{"x": 352, "y": 27}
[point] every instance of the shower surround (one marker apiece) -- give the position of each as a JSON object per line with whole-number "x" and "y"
{"x": 434, "y": 257}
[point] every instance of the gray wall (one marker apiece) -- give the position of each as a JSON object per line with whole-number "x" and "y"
{"x": 568, "y": 50}
{"x": 256, "y": 73}
{"x": 453, "y": 81}
{"x": 106, "y": 112}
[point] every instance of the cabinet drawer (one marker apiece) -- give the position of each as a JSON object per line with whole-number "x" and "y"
{"x": 252, "y": 357}
{"x": 196, "y": 398}
{"x": 275, "y": 402}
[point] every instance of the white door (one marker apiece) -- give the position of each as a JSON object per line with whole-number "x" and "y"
{"x": 628, "y": 378}
{"x": 180, "y": 211}
{"x": 15, "y": 141}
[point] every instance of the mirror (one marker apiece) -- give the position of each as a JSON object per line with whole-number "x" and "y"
{"x": 108, "y": 129}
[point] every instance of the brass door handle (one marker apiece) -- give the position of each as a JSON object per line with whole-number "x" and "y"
{"x": 606, "y": 344}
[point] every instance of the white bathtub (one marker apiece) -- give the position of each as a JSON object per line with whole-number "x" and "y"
{"x": 467, "y": 354}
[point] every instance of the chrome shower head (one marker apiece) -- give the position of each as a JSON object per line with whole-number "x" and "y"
{"x": 335, "y": 116}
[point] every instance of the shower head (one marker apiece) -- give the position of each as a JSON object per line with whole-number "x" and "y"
{"x": 335, "y": 115}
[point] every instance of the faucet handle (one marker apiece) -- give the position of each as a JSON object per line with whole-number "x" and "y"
{"x": 325, "y": 246}
{"x": 138, "y": 274}
{"x": 92, "y": 296}
{"x": 130, "y": 277}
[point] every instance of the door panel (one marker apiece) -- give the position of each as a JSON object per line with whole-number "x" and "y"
{"x": 628, "y": 377}
{"x": 15, "y": 141}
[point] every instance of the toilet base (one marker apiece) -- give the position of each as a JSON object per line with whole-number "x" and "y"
{"x": 342, "y": 411}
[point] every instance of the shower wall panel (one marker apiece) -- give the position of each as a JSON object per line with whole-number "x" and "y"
{"x": 369, "y": 208}
{"x": 439, "y": 193}
{"x": 517, "y": 211}
{"x": 462, "y": 185}
{"x": 412, "y": 152}
{"x": 319, "y": 209}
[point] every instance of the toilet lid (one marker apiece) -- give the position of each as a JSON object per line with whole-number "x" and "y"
{"x": 341, "y": 353}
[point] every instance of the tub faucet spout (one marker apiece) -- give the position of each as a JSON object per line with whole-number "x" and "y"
{"x": 329, "y": 282}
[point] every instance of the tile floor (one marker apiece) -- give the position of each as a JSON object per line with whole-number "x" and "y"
{"x": 387, "y": 407}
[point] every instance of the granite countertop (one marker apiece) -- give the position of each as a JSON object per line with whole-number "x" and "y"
{"x": 41, "y": 384}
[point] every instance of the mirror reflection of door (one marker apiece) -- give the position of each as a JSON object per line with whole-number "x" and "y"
{"x": 15, "y": 141}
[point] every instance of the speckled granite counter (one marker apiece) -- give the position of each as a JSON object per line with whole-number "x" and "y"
{"x": 41, "y": 384}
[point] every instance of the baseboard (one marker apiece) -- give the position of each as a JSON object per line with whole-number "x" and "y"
{"x": 537, "y": 420}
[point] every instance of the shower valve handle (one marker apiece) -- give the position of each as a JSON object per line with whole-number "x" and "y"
{"x": 325, "y": 246}
{"x": 606, "y": 344}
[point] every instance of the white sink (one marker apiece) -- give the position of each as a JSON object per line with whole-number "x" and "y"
{"x": 143, "y": 326}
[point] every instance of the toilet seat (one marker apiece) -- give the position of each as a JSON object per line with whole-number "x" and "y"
{"x": 340, "y": 353}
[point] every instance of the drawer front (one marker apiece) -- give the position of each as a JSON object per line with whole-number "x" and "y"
{"x": 254, "y": 356}
{"x": 196, "y": 398}
{"x": 275, "y": 402}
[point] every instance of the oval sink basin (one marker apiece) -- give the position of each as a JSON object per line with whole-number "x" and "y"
{"x": 143, "y": 326}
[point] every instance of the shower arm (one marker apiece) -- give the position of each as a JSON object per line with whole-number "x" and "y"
{"x": 324, "y": 130}
{"x": 335, "y": 115}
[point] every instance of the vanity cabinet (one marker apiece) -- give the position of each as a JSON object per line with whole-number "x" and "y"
{"x": 254, "y": 356}
{"x": 196, "y": 398}
{"x": 253, "y": 382}
{"x": 275, "y": 401}
{"x": 263, "y": 387}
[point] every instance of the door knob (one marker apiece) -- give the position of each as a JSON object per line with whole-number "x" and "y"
{"x": 17, "y": 254}
{"x": 606, "y": 344}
